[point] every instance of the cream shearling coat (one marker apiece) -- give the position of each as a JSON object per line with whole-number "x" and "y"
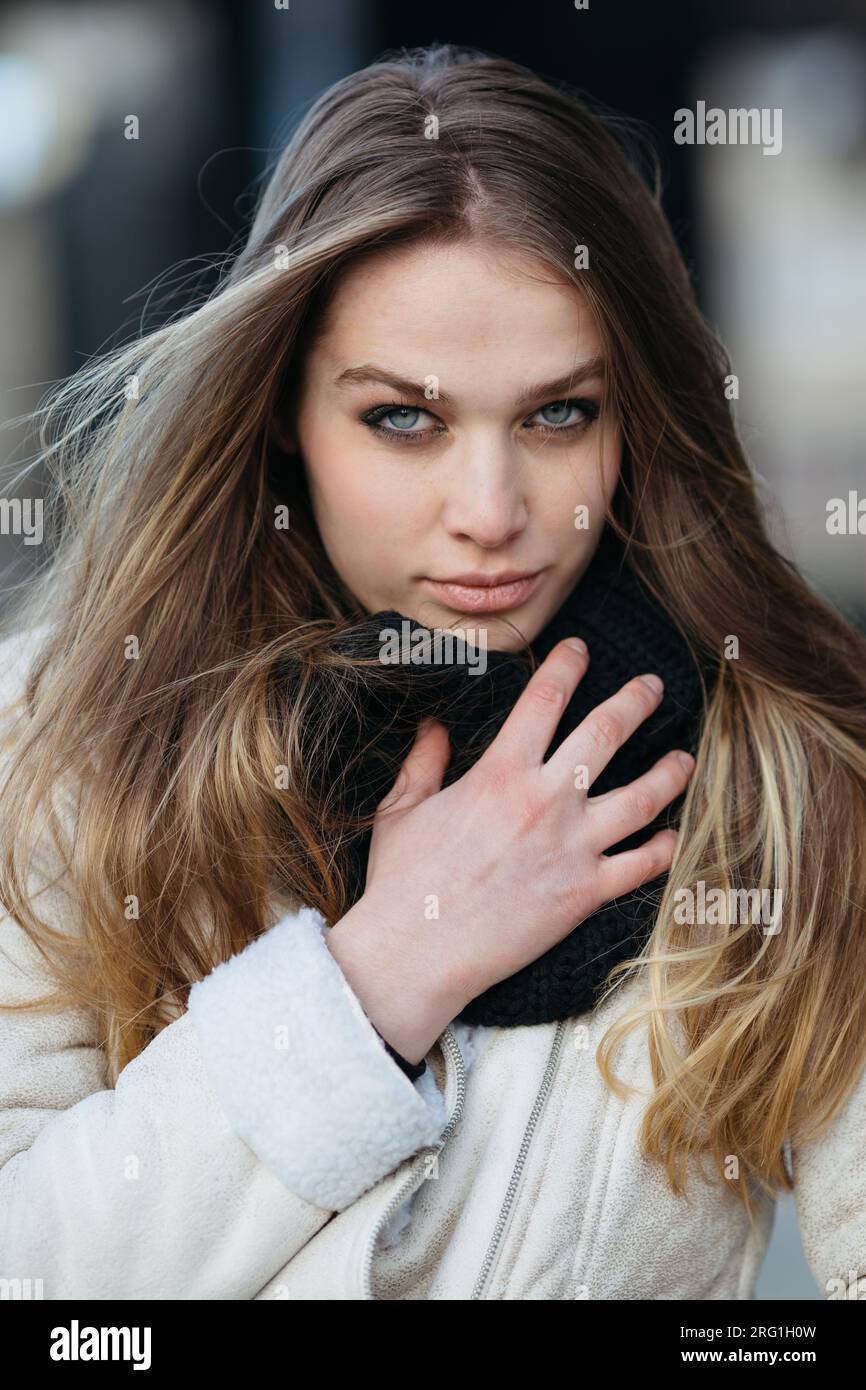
{"x": 265, "y": 1146}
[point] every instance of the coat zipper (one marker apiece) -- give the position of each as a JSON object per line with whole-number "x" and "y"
{"x": 514, "y": 1182}
{"x": 451, "y": 1045}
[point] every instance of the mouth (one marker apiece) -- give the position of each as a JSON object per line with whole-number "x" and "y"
{"x": 469, "y": 594}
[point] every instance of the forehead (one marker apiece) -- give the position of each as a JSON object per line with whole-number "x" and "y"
{"x": 458, "y": 307}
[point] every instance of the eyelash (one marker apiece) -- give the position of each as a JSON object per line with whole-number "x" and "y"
{"x": 372, "y": 417}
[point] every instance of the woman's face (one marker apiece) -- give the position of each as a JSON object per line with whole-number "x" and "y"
{"x": 483, "y": 467}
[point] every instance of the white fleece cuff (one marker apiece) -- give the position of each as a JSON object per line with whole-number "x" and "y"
{"x": 300, "y": 1071}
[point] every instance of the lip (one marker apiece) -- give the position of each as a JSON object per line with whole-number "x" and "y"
{"x": 479, "y": 593}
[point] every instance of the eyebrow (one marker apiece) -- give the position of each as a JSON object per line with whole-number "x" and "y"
{"x": 368, "y": 372}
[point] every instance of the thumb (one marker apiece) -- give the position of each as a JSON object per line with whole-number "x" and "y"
{"x": 423, "y": 768}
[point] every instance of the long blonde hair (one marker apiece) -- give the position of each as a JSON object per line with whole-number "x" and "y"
{"x": 167, "y": 479}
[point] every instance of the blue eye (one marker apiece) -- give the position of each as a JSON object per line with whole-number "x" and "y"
{"x": 406, "y": 417}
{"x": 402, "y": 411}
{"x": 586, "y": 413}
{"x": 559, "y": 406}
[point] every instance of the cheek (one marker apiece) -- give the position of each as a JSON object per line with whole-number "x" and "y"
{"x": 597, "y": 474}
{"x": 335, "y": 471}
{"x": 588, "y": 479}
{"x": 358, "y": 496}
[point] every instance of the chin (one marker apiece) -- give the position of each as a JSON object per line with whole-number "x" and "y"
{"x": 498, "y": 630}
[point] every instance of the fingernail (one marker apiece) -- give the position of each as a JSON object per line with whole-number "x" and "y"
{"x": 654, "y": 682}
{"x": 686, "y": 759}
{"x": 577, "y": 643}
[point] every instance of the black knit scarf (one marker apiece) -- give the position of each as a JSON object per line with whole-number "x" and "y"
{"x": 627, "y": 633}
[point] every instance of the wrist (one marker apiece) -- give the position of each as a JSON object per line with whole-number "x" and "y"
{"x": 412, "y": 1069}
{"x": 403, "y": 992}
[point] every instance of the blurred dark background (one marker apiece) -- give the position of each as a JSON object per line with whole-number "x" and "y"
{"x": 96, "y": 228}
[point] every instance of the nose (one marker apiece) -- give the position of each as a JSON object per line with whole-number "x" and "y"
{"x": 486, "y": 498}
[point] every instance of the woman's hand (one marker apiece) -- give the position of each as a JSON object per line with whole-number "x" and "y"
{"x": 468, "y": 884}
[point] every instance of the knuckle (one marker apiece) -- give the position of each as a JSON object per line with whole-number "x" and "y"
{"x": 531, "y": 810}
{"x": 643, "y": 804}
{"x": 494, "y": 775}
{"x": 606, "y": 731}
{"x": 505, "y": 797}
{"x": 546, "y": 693}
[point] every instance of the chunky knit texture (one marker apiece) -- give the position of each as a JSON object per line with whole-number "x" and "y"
{"x": 628, "y": 634}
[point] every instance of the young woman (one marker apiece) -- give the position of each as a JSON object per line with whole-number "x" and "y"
{"x": 327, "y": 974}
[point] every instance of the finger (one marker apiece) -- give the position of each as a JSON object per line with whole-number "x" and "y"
{"x": 526, "y": 734}
{"x": 602, "y": 733}
{"x": 422, "y": 769}
{"x": 622, "y": 873}
{"x": 619, "y": 813}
